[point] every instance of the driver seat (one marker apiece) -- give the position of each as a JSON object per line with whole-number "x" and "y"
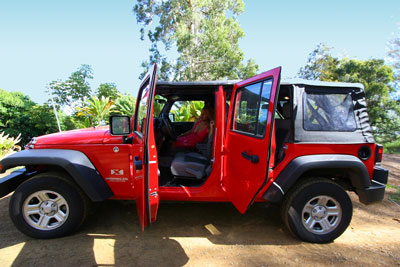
{"x": 194, "y": 165}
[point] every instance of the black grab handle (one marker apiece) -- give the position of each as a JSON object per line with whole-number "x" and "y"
{"x": 252, "y": 158}
{"x": 137, "y": 163}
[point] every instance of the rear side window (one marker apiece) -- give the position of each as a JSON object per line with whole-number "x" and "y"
{"x": 328, "y": 112}
{"x": 251, "y": 108}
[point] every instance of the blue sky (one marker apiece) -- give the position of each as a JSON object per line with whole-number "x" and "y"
{"x": 41, "y": 41}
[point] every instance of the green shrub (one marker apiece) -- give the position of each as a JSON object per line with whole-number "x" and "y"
{"x": 8, "y": 144}
{"x": 392, "y": 147}
{"x": 187, "y": 110}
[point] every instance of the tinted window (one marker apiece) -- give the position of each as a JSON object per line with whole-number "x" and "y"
{"x": 251, "y": 108}
{"x": 264, "y": 105}
{"x": 328, "y": 112}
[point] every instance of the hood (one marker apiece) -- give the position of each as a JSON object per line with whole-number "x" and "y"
{"x": 74, "y": 137}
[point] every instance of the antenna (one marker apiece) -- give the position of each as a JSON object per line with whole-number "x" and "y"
{"x": 55, "y": 113}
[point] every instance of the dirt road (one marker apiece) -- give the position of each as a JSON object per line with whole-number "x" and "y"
{"x": 208, "y": 234}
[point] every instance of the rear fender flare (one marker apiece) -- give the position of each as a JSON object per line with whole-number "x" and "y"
{"x": 75, "y": 163}
{"x": 353, "y": 166}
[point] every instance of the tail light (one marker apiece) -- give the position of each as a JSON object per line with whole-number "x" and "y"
{"x": 378, "y": 153}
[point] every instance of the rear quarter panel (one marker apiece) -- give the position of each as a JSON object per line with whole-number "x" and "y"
{"x": 295, "y": 150}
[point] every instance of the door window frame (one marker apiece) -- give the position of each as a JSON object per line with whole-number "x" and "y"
{"x": 146, "y": 83}
{"x": 258, "y": 109}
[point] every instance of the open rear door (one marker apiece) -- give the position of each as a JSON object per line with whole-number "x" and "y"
{"x": 144, "y": 153}
{"x": 248, "y": 137}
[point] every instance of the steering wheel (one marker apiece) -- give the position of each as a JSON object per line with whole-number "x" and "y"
{"x": 167, "y": 128}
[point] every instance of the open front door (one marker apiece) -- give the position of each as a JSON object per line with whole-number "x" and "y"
{"x": 248, "y": 137}
{"x": 144, "y": 153}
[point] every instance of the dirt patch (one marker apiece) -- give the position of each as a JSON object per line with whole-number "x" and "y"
{"x": 208, "y": 234}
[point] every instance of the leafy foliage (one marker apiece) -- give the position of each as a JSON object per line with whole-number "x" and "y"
{"x": 8, "y": 144}
{"x": 392, "y": 147}
{"x": 158, "y": 105}
{"x": 125, "y": 104}
{"x": 73, "y": 91}
{"x": 376, "y": 77}
{"x": 96, "y": 111}
{"x": 20, "y": 115}
{"x": 205, "y": 34}
{"x": 187, "y": 110}
{"x": 320, "y": 64}
{"x": 107, "y": 90}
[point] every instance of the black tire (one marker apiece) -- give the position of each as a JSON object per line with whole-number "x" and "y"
{"x": 48, "y": 205}
{"x": 308, "y": 218}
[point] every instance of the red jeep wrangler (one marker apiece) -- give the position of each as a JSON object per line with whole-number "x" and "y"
{"x": 298, "y": 144}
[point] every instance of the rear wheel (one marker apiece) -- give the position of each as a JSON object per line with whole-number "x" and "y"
{"x": 48, "y": 206}
{"x": 317, "y": 211}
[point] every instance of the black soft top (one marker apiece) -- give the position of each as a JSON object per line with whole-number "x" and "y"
{"x": 362, "y": 133}
{"x": 206, "y": 84}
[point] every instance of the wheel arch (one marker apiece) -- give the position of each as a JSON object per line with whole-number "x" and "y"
{"x": 75, "y": 163}
{"x": 348, "y": 171}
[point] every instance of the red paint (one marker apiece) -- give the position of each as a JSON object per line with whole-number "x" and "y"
{"x": 81, "y": 136}
{"x": 244, "y": 177}
{"x": 233, "y": 177}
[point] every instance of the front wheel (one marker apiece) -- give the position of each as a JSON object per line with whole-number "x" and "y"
{"x": 48, "y": 206}
{"x": 317, "y": 210}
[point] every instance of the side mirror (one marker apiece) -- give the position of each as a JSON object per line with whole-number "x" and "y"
{"x": 120, "y": 125}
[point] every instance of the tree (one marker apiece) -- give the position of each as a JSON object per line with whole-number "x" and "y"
{"x": 73, "y": 91}
{"x": 125, "y": 104}
{"x": 394, "y": 60}
{"x": 20, "y": 115}
{"x": 320, "y": 64}
{"x": 107, "y": 90}
{"x": 205, "y": 34}
{"x": 96, "y": 110}
{"x": 374, "y": 74}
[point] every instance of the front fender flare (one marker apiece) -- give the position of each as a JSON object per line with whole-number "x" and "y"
{"x": 75, "y": 163}
{"x": 358, "y": 173}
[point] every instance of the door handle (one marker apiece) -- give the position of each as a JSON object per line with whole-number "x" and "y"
{"x": 137, "y": 163}
{"x": 252, "y": 158}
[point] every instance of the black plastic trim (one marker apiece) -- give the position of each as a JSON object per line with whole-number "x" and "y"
{"x": 75, "y": 163}
{"x": 10, "y": 182}
{"x": 111, "y": 125}
{"x": 380, "y": 175}
{"x": 372, "y": 194}
{"x": 296, "y": 168}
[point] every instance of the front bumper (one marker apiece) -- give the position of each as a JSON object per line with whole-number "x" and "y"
{"x": 376, "y": 191}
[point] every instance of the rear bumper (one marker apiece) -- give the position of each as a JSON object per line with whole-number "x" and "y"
{"x": 376, "y": 191}
{"x": 10, "y": 182}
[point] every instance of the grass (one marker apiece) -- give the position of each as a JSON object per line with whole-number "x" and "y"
{"x": 396, "y": 196}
